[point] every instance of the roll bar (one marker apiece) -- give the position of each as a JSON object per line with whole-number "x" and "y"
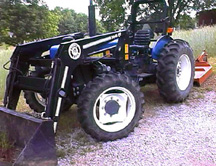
{"x": 135, "y": 4}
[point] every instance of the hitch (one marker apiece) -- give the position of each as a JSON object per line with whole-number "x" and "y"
{"x": 203, "y": 69}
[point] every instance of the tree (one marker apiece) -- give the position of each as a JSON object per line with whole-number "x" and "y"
{"x": 180, "y": 8}
{"x": 100, "y": 27}
{"x": 186, "y": 22}
{"x": 71, "y": 22}
{"x": 67, "y": 22}
{"x": 113, "y": 12}
{"x": 26, "y": 21}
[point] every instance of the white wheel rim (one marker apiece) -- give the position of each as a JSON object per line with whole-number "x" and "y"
{"x": 183, "y": 72}
{"x": 40, "y": 99}
{"x": 125, "y": 114}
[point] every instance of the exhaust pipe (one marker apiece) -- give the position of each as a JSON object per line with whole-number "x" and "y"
{"x": 92, "y": 20}
{"x": 34, "y": 137}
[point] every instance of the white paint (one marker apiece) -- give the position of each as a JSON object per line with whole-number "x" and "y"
{"x": 167, "y": 2}
{"x": 65, "y": 77}
{"x": 125, "y": 114}
{"x": 55, "y": 126}
{"x": 183, "y": 72}
{"x": 58, "y": 106}
{"x": 74, "y": 51}
{"x": 59, "y": 102}
{"x": 101, "y": 41}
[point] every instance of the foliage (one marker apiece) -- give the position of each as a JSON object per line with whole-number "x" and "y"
{"x": 203, "y": 4}
{"x": 100, "y": 27}
{"x": 186, "y": 22}
{"x": 113, "y": 12}
{"x": 71, "y": 22}
{"x": 26, "y": 22}
{"x": 179, "y": 8}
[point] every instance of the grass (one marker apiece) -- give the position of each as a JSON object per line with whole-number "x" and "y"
{"x": 212, "y": 61}
{"x": 199, "y": 39}
{"x": 4, "y": 142}
{"x": 7, "y": 149}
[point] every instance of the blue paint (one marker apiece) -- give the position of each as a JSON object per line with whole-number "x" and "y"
{"x": 53, "y": 51}
{"x": 109, "y": 44}
{"x": 159, "y": 46}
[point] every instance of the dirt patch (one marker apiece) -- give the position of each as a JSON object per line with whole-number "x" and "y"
{"x": 7, "y": 155}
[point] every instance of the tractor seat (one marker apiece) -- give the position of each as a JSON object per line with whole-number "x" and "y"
{"x": 142, "y": 37}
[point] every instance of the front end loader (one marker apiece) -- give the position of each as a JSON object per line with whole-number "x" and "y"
{"x": 101, "y": 74}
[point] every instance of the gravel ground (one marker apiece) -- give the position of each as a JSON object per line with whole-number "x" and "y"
{"x": 168, "y": 135}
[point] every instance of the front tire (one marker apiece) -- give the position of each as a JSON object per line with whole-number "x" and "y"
{"x": 110, "y": 107}
{"x": 175, "y": 71}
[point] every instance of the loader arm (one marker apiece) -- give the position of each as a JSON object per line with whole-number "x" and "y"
{"x": 70, "y": 55}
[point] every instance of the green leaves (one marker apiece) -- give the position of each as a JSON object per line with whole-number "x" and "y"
{"x": 204, "y": 4}
{"x": 113, "y": 12}
{"x": 71, "y": 22}
{"x": 28, "y": 20}
{"x": 21, "y": 22}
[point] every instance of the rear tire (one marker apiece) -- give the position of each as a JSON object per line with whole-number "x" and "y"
{"x": 110, "y": 107}
{"x": 175, "y": 71}
{"x": 35, "y": 101}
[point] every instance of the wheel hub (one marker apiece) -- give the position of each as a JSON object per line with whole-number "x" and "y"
{"x": 112, "y": 107}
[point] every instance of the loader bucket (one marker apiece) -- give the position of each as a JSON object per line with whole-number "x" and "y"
{"x": 34, "y": 137}
{"x": 203, "y": 69}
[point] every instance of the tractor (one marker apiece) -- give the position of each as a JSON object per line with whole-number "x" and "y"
{"x": 106, "y": 71}
{"x": 102, "y": 74}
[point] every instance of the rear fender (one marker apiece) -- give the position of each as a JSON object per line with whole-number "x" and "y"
{"x": 159, "y": 45}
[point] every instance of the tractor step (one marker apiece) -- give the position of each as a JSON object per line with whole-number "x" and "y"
{"x": 203, "y": 69}
{"x": 34, "y": 137}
